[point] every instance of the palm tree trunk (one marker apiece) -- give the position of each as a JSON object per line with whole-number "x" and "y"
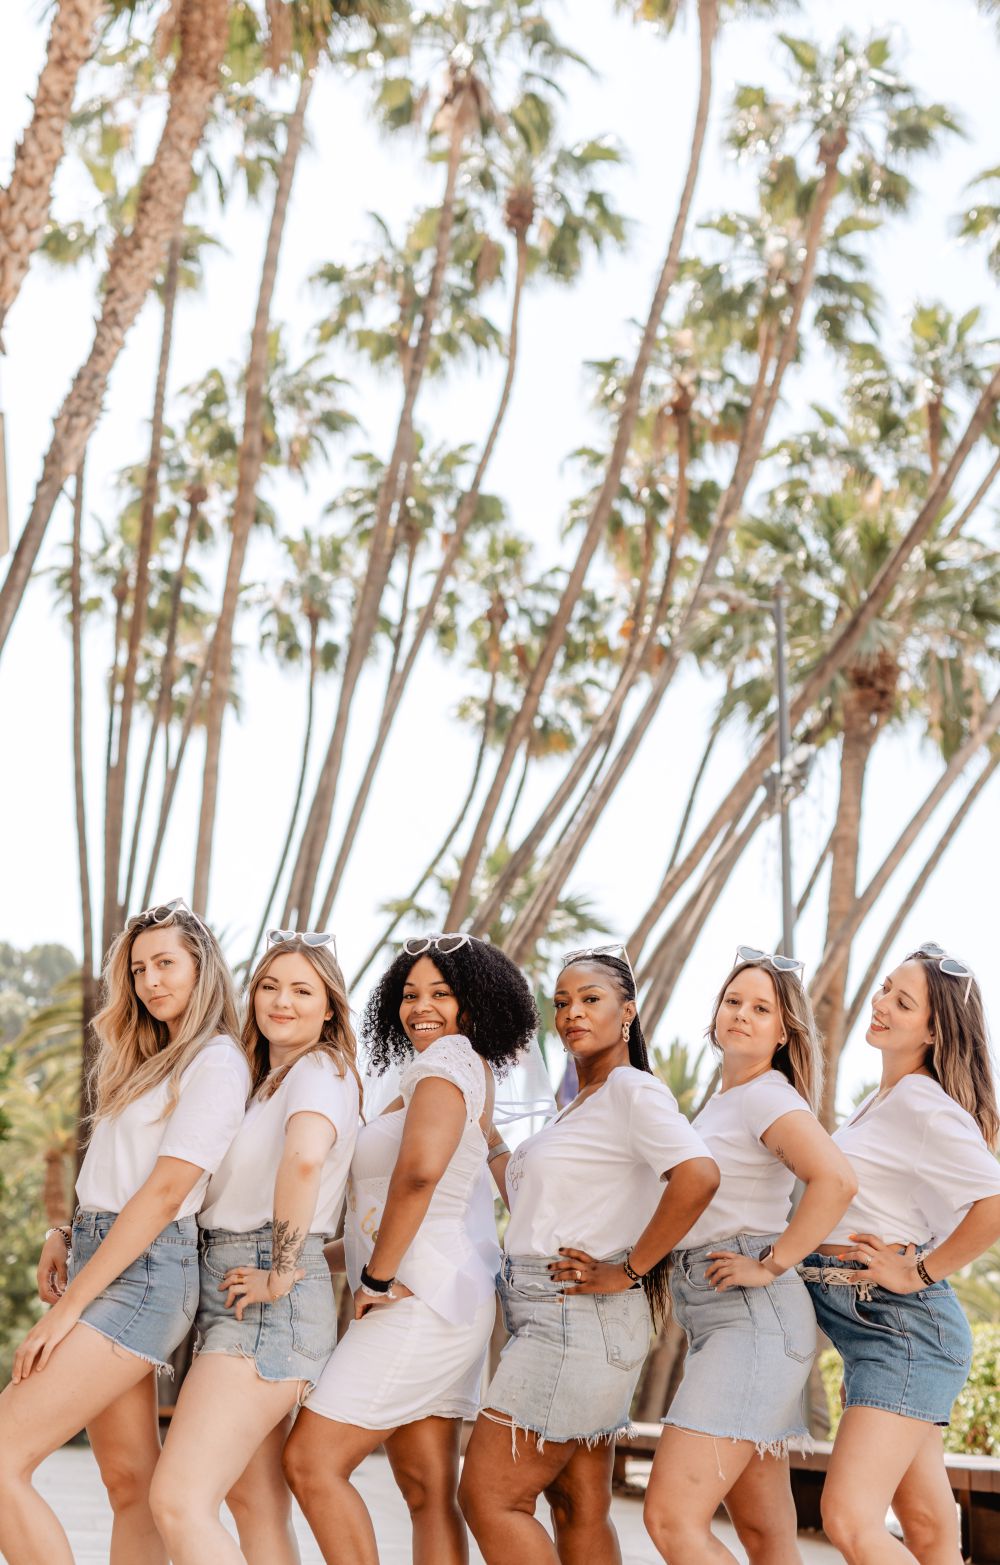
{"x": 518, "y": 791}
{"x": 133, "y": 263}
{"x": 365, "y": 618}
{"x": 708, "y": 20}
{"x": 299, "y": 790}
{"x": 463, "y": 518}
{"x": 244, "y": 507}
{"x": 452, "y": 833}
{"x": 856, "y": 747}
{"x": 164, "y": 700}
{"x": 114, "y": 811}
{"x": 842, "y": 937}
{"x": 88, "y": 985}
{"x": 173, "y": 771}
{"x": 916, "y": 890}
{"x": 813, "y": 881}
{"x": 24, "y": 202}
{"x": 977, "y": 499}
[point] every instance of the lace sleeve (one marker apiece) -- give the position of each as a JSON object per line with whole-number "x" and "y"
{"x": 455, "y": 1060}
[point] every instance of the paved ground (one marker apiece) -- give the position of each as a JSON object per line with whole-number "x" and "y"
{"x": 70, "y": 1482}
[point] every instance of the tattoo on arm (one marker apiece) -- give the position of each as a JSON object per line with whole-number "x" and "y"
{"x": 781, "y": 1154}
{"x": 287, "y": 1245}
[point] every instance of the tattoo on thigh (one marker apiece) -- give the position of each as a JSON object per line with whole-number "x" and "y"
{"x": 287, "y": 1245}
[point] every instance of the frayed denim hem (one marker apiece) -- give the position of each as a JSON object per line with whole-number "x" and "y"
{"x": 305, "y": 1384}
{"x": 800, "y": 1438}
{"x": 159, "y": 1365}
{"x": 598, "y": 1437}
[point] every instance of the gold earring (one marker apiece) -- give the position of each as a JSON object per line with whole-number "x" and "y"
{"x": 626, "y": 1029}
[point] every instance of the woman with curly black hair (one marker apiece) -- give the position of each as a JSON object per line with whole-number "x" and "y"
{"x": 455, "y": 1010}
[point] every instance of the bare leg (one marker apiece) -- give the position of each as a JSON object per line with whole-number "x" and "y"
{"x": 424, "y": 1457}
{"x": 926, "y": 1508}
{"x": 261, "y": 1503}
{"x": 320, "y": 1457}
{"x": 223, "y": 1413}
{"x": 498, "y": 1494}
{"x": 871, "y": 1455}
{"x": 580, "y": 1498}
{"x": 762, "y": 1510}
{"x": 85, "y": 1374}
{"x": 691, "y": 1475}
{"x": 125, "y": 1439}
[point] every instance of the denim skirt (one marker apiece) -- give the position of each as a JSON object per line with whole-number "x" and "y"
{"x": 290, "y": 1339}
{"x": 906, "y": 1353}
{"x": 149, "y": 1309}
{"x": 750, "y": 1351}
{"x": 570, "y": 1368}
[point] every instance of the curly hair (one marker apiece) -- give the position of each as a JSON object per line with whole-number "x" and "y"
{"x": 496, "y": 1009}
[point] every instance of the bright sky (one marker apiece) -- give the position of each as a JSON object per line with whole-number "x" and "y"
{"x": 644, "y": 95}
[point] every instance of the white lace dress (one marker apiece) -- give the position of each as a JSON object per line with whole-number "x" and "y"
{"x": 422, "y": 1356}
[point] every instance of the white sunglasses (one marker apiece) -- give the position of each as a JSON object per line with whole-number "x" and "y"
{"x": 951, "y": 966}
{"x": 616, "y": 949}
{"x": 163, "y": 912}
{"x": 781, "y": 964}
{"x": 446, "y": 944}
{"x": 314, "y": 938}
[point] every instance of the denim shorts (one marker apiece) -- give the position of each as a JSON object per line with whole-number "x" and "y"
{"x": 290, "y": 1339}
{"x": 749, "y": 1354}
{"x": 907, "y": 1353}
{"x": 150, "y": 1308}
{"x": 571, "y": 1366}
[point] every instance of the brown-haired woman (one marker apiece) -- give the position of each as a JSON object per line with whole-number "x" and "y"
{"x": 266, "y": 1321}
{"x": 746, "y": 1313}
{"x": 169, "y": 1089}
{"x": 928, "y": 1203}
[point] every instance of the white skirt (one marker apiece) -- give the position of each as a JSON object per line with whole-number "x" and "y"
{"x": 402, "y": 1362}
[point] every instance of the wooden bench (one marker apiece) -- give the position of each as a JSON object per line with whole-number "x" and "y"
{"x": 975, "y": 1483}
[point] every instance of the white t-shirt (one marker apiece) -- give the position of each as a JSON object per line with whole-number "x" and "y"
{"x": 755, "y": 1190}
{"x": 920, "y": 1161}
{"x": 592, "y": 1178}
{"x": 241, "y": 1191}
{"x": 124, "y": 1147}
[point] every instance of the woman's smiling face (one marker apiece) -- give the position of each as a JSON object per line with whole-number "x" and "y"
{"x": 901, "y": 1012}
{"x": 748, "y": 1026}
{"x": 429, "y": 1009}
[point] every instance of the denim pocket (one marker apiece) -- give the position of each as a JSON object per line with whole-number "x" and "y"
{"x": 795, "y": 1315}
{"x": 314, "y": 1318}
{"x": 876, "y": 1313}
{"x": 950, "y": 1324}
{"x": 625, "y": 1323}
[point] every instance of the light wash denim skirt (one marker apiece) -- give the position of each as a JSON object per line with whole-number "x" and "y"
{"x": 749, "y": 1354}
{"x": 571, "y": 1366}
{"x": 150, "y": 1308}
{"x": 290, "y": 1339}
{"x": 906, "y": 1353}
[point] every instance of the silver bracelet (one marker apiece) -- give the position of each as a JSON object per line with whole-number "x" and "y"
{"x": 500, "y": 1150}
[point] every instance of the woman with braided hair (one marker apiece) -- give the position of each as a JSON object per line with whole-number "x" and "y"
{"x": 581, "y": 1278}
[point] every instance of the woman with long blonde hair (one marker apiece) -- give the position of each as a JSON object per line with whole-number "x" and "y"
{"x": 928, "y": 1203}
{"x": 267, "y": 1321}
{"x": 750, "y": 1325}
{"x": 169, "y": 1090}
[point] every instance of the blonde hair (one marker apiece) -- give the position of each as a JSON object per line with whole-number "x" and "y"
{"x": 959, "y": 1058}
{"x": 336, "y": 1037}
{"x": 800, "y": 1057}
{"x": 136, "y": 1051}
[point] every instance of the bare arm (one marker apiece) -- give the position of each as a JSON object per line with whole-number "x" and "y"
{"x": 154, "y": 1205}
{"x": 432, "y": 1131}
{"x": 498, "y": 1164}
{"x": 333, "y": 1254}
{"x": 978, "y": 1230}
{"x": 308, "y": 1139}
{"x": 800, "y": 1142}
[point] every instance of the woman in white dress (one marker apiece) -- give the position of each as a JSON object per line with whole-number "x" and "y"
{"x": 408, "y": 1368}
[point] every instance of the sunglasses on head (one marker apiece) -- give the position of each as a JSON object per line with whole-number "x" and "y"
{"x": 309, "y": 937}
{"x": 446, "y": 943}
{"x": 951, "y": 966}
{"x": 163, "y": 912}
{"x": 781, "y": 964}
{"x": 616, "y": 949}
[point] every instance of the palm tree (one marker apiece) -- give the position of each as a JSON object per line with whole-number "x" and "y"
{"x": 133, "y": 264}
{"x": 24, "y": 201}
{"x": 982, "y": 220}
